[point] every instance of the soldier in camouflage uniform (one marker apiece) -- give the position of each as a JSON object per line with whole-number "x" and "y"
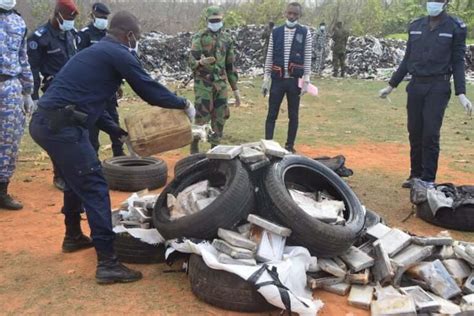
{"x": 212, "y": 62}
{"x": 340, "y": 38}
{"x": 319, "y": 42}
{"x": 16, "y": 87}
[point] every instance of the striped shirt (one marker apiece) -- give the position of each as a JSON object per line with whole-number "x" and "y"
{"x": 289, "y": 35}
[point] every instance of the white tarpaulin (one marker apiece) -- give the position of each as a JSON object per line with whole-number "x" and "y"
{"x": 291, "y": 272}
{"x": 150, "y": 236}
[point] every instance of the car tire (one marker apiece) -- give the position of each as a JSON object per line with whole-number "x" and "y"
{"x": 187, "y": 162}
{"x": 229, "y": 209}
{"x": 224, "y": 289}
{"x": 130, "y": 174}
{"x": 321, "y": 239}
{"x": 132, "y": 250}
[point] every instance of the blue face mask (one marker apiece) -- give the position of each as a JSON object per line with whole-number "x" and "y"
{"x": 291, "y": 24}
{"x": 214, "y": 27}
{"x": 67, "y": 25}
{"x": 435, "y": 8}
{"x": 101, "y": 24}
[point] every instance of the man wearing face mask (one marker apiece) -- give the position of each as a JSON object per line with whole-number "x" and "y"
{"x": 212, "y": 62}
{"x": 49, "y": 49}
{"x": 88, "y": 36}
{"x": 435, "y": 51}
{"x": 74, "y": 102}
{"x": 288, "y": 60}
{"x": 320, "y": 40}
{"x": 16, "y": 87}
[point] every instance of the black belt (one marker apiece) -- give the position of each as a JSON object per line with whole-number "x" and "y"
{"x": 431, "y": 79}
{"x": 4, "y": 78}
{"x": 63, "y": 117}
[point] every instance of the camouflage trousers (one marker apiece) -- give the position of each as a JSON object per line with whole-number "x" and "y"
{"x": 319, "y": 62}
{"x": 211, "y": 106}
{"x": 12, "y": 125}
{"x": 339, "y": 62}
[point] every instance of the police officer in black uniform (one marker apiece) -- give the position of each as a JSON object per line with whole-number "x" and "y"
{"x": 435, "y": 52}
{"x": 74, "y": 102}
{"x": 88, "y": 36}
{"x": 49, "y": 48}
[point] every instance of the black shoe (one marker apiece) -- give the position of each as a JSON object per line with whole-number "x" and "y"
{"x": 6, "y": 201}
{"x": 408, "y": 183}
{"x": 59, "y": 183}
{"x": 110, "y": 270}
{"x": 291, "y": 149}
{"x": 72, "y": 244}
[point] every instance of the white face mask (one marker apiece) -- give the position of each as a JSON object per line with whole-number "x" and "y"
{"x": 7, "y": 4}
{"x": 67, "y": 25}
{"x": 322, "y": 28}
{"x": 291, "y": 24}
{"x": 101, "y": 24}
{"x": 214, "y": 27}
{"x": 435, "y": 8}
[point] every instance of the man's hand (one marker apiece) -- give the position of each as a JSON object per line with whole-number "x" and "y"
{"x": 265, "y": 86}
{"x": 304, "y": 88}
{"x": 29, "y": 106}
{"x": 238, "y": 101}
{"x": 206, "y": 61}
{"x": 466, "y": 104}
{"x": 190, "y": 110}
{"x": 385, "y": 92}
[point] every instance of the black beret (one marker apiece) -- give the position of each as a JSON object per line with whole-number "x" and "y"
{"x": 100, "y": 8}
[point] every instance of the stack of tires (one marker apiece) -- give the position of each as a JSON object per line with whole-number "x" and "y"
{"x": 263, "y": 192}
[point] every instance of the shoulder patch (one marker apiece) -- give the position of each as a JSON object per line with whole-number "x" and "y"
{"x": 41, "y": 31}
{"x": 33, "y": 45}
{"x": 458, "y": 22}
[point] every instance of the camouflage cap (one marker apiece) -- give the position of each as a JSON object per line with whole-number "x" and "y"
{"x": 214, "y": 12}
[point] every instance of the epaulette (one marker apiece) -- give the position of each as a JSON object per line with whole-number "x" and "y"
{"x": 417, "y": 19}
{"x": 41, "y": 31}
{"x": 458, "y": 22}
{"x": 85, "y": 29}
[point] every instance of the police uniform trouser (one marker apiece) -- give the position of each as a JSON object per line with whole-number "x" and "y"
{"x": 425, "y": 107}
{"x": 280, "y": 88}
{"x": 117, "y": 146}
{"x": 12, "y": 124}
{"x": 86, "y": 187}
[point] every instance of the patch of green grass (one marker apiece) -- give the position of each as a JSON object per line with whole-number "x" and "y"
{"x": 398, "y": 36}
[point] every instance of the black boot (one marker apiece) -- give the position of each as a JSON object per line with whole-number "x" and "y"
{"x": 110, "y": 270}
{"x": 195, "y": 146}
{"x": 6, "y": 201}
{"x": 74, "y": 239}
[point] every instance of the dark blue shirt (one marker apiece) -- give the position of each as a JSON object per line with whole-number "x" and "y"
{"x": 49, "y": 49}
{"x": 440, "y": 51}
{"x": 93, "y": 76}
{"x": 89, "y": 35}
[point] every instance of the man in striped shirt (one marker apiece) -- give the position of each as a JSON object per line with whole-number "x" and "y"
{"x": 288, "y": 60}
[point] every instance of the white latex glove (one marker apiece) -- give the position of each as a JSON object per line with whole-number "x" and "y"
{"x": 304, "y": 88}
{"x": 237, "y": 98}
{"x": 190, "y": 110}
{"x": 206, "y": 61}
{"x": 385, "y": 92}
{"x": 466, "y": 104}
{"x": 265, "y": 86}
{"x": 29, "y": 106}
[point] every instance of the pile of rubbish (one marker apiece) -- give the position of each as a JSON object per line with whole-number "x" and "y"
{"x": 368, "y": 57}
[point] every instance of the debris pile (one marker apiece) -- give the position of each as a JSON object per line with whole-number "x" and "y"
{"x": 135, "y": 212}
{"x": 368, "y": 57}
{"x": 405, "y": 274}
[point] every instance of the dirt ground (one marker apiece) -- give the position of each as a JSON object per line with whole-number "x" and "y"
{"x": 36, "y": 278}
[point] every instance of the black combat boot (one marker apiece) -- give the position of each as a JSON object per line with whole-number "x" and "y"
{"x": 74, "y": 239}
{"x": 195, "y": 146}
{"x": 6, "y": 201}
{"x": 110, "y": 270}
